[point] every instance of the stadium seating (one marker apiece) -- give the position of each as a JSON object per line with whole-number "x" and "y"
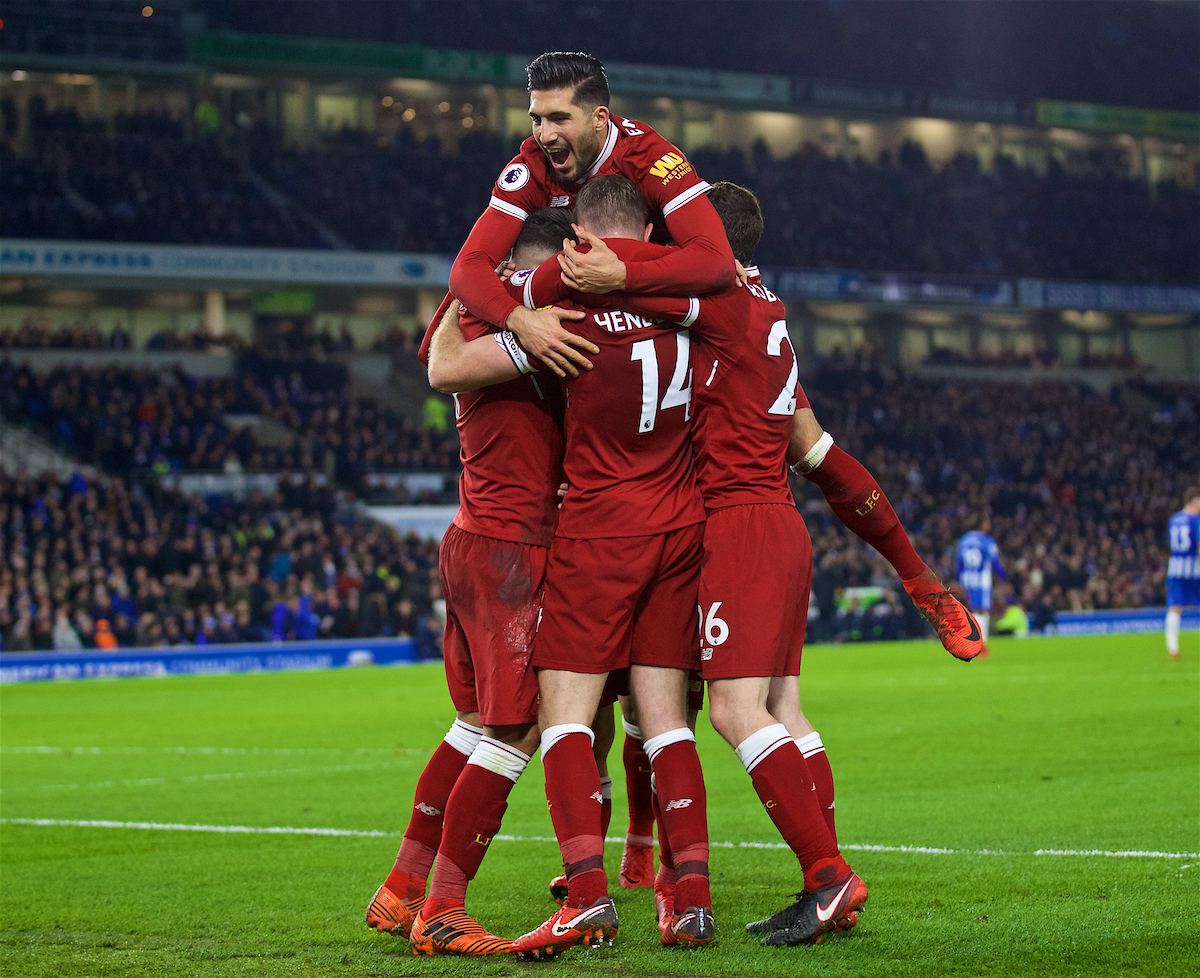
{"x": 153, "y": 182}
{"x": 1079, "y": 484}
{"x": 162, "y": 570}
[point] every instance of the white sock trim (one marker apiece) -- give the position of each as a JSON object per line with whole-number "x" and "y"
{"x": 983, "y": 618}
{"x": 463, "y": 737}
{"x": 499, "y": 758}
{"x": 761, "y": 744}
{"x": 632, "y": 729}
{"x": 606, "y": 788}
{"x": 1174, "y": 621}
{"x": 815, "y": 456}
{"x": 655, "y": 745}
{"x": 810, "y": 744}
{"x": 552, "y": 735}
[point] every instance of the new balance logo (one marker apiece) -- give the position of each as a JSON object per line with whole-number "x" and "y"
{"x": 599, "y": 797}
{"x": 677, "y": 803}
{"x": 428, "y": 809}
{"x": 560, "y": 201}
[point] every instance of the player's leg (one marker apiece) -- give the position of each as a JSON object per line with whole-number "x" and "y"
{"x": 637, "y": 856}
{"x": 783, "y": 703}
{"x": 396, "y": 903}
{"x": 1176, "y": 599}
{"x": 981, "y": 608}
{"x": 591, "y": 588}
{"x": 604, "y": 726}
{"x": 1173, "y": 624}
{"x": 664, "y": 651}
{"x": 474, "y": 813}
{"x": 858, "y": 501}
{"x": 499, "y": 633}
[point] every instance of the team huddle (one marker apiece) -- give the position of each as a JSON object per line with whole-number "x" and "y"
{"x": 657, "y": 386}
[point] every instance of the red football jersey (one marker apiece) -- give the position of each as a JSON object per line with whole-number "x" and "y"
{"x": 746, "y": 379}
{"x": 511, "y": 450}
{"x": 673, "y": 191}
{"x": 628, "y": 459}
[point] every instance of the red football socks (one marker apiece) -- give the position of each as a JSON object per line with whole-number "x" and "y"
{"x": 666, "y": 862}
{"x": 474, "y": 812}
{"x": 424, "y": 832}
{"x": 860, "y": 504}
{"x": 786, "y": 789}
{"x": 573, "y": 791}
{"x": 637, "y": 789}
{"x": 683, "y": 803}
{"x": 822, "y": 775}
{"x": 605, "y": 805}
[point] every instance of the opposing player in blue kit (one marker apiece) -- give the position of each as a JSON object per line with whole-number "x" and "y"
{"x": 1183, "y": 569}
{"x": 978, "y": 558}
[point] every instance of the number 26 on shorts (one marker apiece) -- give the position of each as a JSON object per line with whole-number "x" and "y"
{"x": 713, "y": 630}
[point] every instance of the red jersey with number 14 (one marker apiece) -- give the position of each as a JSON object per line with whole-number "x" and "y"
{"x": 628, "y": 458}
{"x": 746, "y": 377}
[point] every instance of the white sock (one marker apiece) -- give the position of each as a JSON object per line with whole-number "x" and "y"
{"x": 606, "y": 788}
{"x": 552, "y": 735}
{"x": 1174, "y": 619}
{"x": 463, "y": 737}
{"x": 499, "y": 758}
{"x": 810, "y": 744}
{"x": 982, "y": 617}
{"x": 755, "y": 748}
{"x": 655, "y": 745}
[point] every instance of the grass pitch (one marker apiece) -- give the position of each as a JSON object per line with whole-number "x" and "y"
{"x": 1064, "y": 744}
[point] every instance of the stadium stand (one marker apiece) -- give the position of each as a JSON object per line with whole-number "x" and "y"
{"x": 155, "y": 183}
{"x": 125, "y": 420}
{"x": 162, "y": 570}
{"x": 1079, "y": 484}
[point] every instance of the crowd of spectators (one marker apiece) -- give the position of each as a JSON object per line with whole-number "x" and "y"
{"x": 129, "y": 420}
{"x": 154, "y": 183}
{"x": 904, "y": 215}
{"x": 99, "y": 563}
{"x": 147, "y": 182}
{"x": 1078, "y": 483}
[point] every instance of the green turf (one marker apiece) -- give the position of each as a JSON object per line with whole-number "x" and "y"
{"x": 1051, "y": 744}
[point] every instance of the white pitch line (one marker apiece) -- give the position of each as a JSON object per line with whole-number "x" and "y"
{"x": 375, "y": 834}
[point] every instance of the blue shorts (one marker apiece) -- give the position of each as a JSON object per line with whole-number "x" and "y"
{"x": 979, "y": 599}
{"x": 1183, "y": 591}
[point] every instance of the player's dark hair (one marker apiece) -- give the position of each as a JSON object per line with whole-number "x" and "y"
{"x": 545, "y": 229}
{"x": 738, "y": 210}
{"x": 1190, "y": 495}
{"x": 612, "y": 202}
{"x": 570, "y": 69}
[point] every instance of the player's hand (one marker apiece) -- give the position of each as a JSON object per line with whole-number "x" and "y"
{"x": 597, "y": 270}
{"x": 562, "y": 493}
{"x": 541, "y": 333}
{"x": 505, "y": 270}
{"x": 741, "y": 275}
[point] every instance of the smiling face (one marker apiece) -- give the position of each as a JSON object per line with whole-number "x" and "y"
{"x": 570, "y": 135}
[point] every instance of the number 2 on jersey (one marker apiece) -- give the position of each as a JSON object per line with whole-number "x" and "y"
{"x": 679, "y": 392}
{"x": 785, "y": 403}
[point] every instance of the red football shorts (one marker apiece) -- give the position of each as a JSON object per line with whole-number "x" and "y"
{"x": 493, "y": 590}
{"x": 619, "y": 601}
{"x": 754, "y": 590}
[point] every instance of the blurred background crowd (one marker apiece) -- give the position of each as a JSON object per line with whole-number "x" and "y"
{"x": 152, "y": 182}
